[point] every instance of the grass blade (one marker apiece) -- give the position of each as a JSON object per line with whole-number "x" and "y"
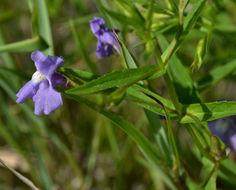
{"x": 25, "y": 45}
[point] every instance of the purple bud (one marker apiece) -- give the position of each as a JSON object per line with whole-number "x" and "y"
{"x": 107, "y": 41}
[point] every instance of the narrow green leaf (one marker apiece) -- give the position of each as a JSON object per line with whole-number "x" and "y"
{"x": 211, "y": 170}
{"x": 193, "y": 15}
{"x": 136, "y": 95}
{"x": 172, "y": 140}
{"x": 160, "y": 137}
{"x": 78, "y": 74}
{"x": 25, "y": 45}
{"x": 129, "y": 60}
{"x": 114, "y": 79}
{"x": 30, "y": 4}
{"x": 202, "y": 111}
{"x": 137, "y": 92}
{"x": 227, "y": 171}
{"x": 44, "y": 25}
{"x": 209, "y": 111}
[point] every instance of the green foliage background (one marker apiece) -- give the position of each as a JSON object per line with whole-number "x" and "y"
{"x": 178, "y": 58}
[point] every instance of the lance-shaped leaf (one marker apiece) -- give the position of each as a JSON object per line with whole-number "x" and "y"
{"x": 78, "y": 74}
{"x": 28, "y": 45}
{"x": 148, "y": 100}
{"x": 208, "y": 111}
{"x": 129, "y": 60}
{"x": 193, "y": 15}
{"x": 43, "y": 24}
{"x": 200, "y": 111}
{"x": 137, "y": 91}
{"x": 115, "y": 79}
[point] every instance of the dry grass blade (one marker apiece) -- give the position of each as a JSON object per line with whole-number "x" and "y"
{"x": 21, "y": 177}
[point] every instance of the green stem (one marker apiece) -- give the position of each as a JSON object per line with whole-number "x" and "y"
{"x": 168, "y": 81}
{"x": 173, "y": 94}
{"x": 172, "y": 48}
{"x": 172, "y": 140}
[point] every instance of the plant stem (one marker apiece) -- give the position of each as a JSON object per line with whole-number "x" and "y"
{"x": 172, "y": 93}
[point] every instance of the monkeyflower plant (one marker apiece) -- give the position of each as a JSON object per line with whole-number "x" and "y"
{"x": 181, "y": 135}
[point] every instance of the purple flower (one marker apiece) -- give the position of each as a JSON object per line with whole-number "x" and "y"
{"x": 107, "y": 41}
{"x": 225, "y": 129}
{"x": 40, "y": 87}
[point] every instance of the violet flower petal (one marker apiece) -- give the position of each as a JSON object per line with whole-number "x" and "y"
{"x": 225, "y": 129}
{"x": 219, "y": 128}
{"x": 96, "y": 25}
{"x": 233, "y": 142}
{"x": 103, "y": 50}
{"x": 46, "y": 99}
{"x": 27, "y": 91}
{"x": 109, "y": 38}
{"x": 58, "y": 80}
{"x": 47, "y": 66}
{"x": 38, "y": 56}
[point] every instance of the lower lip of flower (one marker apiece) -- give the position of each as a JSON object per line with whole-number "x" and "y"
{"x": 37, "y": 77}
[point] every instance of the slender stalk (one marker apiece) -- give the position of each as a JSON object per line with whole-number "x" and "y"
{"x": 172, "y": 141}
{"x": 177, "y": 105}
{"x": 172, "y": 93}
{"x": 168, "y": 81}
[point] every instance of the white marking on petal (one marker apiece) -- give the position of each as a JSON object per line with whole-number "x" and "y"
{"x": 37, "y": 77}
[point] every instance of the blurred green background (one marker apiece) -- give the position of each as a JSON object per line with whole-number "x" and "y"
{"x": 74, "y": 147}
